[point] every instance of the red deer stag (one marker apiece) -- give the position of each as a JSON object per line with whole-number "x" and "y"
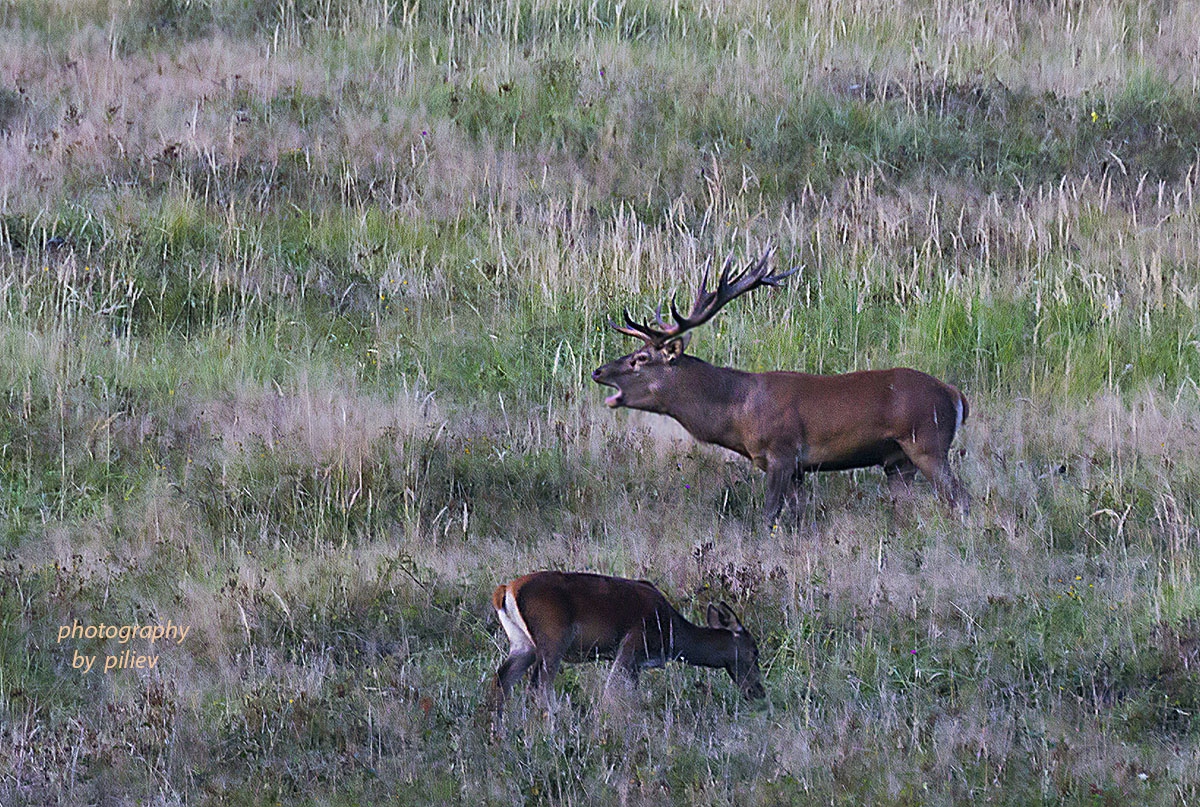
{"x": 788, "y": 423}
{"x": 551, "y": 617}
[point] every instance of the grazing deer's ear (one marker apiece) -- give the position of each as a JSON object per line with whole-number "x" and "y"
{"x": 674, "y": 349}
{"x": 721, "y": 615}
{"x": 713, "y": 616}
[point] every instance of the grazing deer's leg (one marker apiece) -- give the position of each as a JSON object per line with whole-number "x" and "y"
{"x": 626, "y": 665}
{"x": 522, "y": 652}
{"x": 552, "y": 645}
{"x": 510, "y": 672}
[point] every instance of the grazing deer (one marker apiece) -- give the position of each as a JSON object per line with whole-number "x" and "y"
{"x": 551, "y": 617}
{"x": 788, "y": 423}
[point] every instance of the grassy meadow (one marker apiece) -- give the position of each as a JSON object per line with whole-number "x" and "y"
{"x": 299, "y": 303}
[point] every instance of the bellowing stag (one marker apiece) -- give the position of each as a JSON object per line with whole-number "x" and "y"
{"x": 788, "y": 423}
{"x": 551, "y": 617}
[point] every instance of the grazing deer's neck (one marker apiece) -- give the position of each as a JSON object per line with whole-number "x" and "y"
{"x": 701, "y": 646}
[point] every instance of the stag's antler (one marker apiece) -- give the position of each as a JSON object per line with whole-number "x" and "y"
{"x": 707, "y": 303}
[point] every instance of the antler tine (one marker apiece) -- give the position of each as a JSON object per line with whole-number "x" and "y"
{"x": 752, "y": 275}
{"x": 707, "y": 303}
{"x": 702, "y": 301}
{"x": 680, "y": 319}
{"x": 640, "y": 330}
{"x": 728, "y": 265}
{"x": 722, "y": 288}
{"x": 773, "y": 280}
{"x": 756, "y": 274}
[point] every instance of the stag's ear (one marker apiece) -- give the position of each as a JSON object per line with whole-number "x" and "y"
{"x": 721, "y": 615}
{"x": 674, "y": 349}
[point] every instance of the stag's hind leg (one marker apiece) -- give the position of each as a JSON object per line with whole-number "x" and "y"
{"x": 900, "y": 473}
{"x": 900, "y": 477}
{"x": 935, "y": 466}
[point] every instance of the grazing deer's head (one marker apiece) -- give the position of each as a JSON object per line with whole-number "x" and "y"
{"x": 742, "y": 659}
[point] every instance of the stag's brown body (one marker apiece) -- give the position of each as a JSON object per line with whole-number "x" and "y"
{"x": 789, "y": 423}
{"x": 551, "y": 617}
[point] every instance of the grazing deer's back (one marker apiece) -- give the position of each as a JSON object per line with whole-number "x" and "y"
{"x": 600, "y": 607}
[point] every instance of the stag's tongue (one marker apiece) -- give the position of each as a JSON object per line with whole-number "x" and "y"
{"x": 614, "y": 400}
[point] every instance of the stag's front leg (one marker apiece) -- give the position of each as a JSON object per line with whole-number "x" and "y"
{"x": 796, "y": 498}
{"x": 783, "y": 486}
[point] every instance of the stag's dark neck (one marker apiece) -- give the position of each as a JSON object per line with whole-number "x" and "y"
{"x": 703, "y": 647}
{"x": 704, "y": 399}
{"x": 721, "y": 383}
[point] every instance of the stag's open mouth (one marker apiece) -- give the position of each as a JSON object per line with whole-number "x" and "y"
{"x": 614, "y": 400}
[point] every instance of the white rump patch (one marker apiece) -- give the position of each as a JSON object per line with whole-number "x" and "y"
{"x": 514, "y": 624}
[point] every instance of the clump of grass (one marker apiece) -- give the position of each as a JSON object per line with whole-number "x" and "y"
{"x": 12, "y": 104}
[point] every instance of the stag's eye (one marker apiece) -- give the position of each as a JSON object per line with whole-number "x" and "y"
{"x": 639, "y": 359}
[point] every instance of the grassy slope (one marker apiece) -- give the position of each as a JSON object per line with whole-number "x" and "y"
{"x": 300, "y": 303}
